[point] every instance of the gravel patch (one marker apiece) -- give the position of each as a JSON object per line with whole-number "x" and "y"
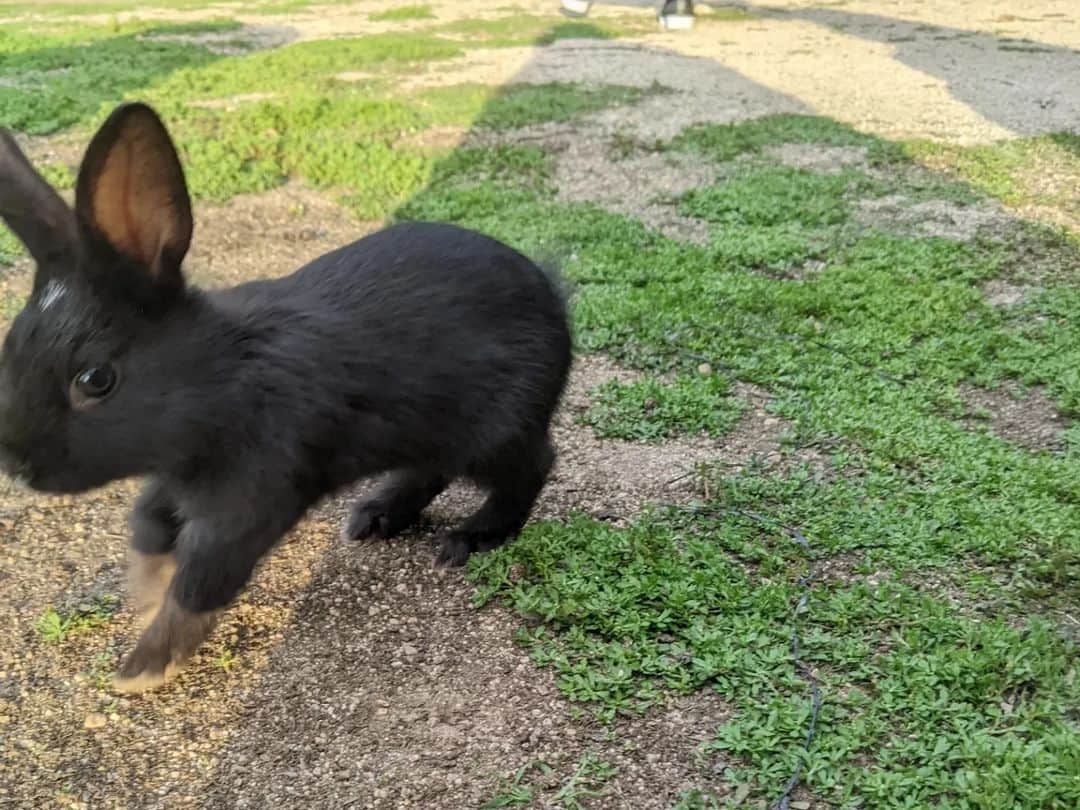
{"x": 645, "y": 186}
{"x": 941, "y": 218}
{"x": 266, "y": 235}
{"x": 1001, "y": 293}
{"x": 1027, "y": 419}
{"x": 819, "y": 158}
{"x": 230, "y": 43}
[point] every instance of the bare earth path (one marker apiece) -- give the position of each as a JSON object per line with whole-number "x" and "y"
{"x": 358, "y": 675}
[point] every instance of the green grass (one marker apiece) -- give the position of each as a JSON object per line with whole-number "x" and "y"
{"x": 528, "y": 29}
{"x": 58, "y": 175}
{"x": 651, "y": 410}
{"x": 776, "y": 196}
{"x": 352, "y": 143}
{"x": 963, "y": 547}
{"x": 557, "y": 101}
{"x": 225, "y": 661}
{"x": 49, "y": 8}
{"x": 55, "y": 626}
{"x": 683, "y": 603}
{"x": 1041, "y": 170}
{"x": 10, "y": 305}
{"x": 100, "y": 671}
{"x": 304, "y": 69}
{"x": 352, "y": 137}
{"x": 722, "y": 14}
{"x": 311, "y": 68}
{"x": 345, "y": 144}
{"x": 10, "y": 247}
{"x": 281, "y": 6}
{"x": 401, "y": 13}
{"x": 513, "y": 792}
{"x": 50, "y": 81}
{"x": 723, "y": 142}
{"x": 349, "y": 137}
{"x": 521, "y": 105}
{"x": 585, "y": 783}
{"x": 696, "y": 799}
{"x": 524, "y": 166}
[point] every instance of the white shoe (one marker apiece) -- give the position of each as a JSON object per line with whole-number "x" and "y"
{"x": 576, "y": 8}
{"x": 677, "y": 15}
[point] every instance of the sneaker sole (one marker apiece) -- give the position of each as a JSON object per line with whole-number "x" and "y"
{"x": 676, "y": 22}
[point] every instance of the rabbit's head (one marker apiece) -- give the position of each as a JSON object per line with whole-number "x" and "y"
{"x": 96, "y": 367}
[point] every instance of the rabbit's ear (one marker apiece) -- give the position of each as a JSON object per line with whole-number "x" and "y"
{"x": 131, "y": 198}
{"x": 33, "y": 210}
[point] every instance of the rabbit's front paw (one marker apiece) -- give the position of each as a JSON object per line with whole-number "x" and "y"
{"x": 163, "y": 647}
{"x": 144, "y": 669}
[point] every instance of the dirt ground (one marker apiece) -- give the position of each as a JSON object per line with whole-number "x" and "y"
{"x": 361, "y": 676}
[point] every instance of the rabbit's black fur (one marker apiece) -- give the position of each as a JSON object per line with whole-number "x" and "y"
{"x": 424, "y": 351}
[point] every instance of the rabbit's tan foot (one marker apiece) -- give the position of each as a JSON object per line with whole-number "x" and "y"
{"x": 149, "y": 576}
{"x": 164, "y": 647}
{"x": 144, "y": 681}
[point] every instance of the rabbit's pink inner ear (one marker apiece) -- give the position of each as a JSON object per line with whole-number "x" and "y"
{"x": 138, "y": 200}
{"x": 128, "y": 211}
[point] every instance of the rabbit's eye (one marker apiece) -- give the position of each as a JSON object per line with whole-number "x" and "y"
{"x": 92, "y": 385}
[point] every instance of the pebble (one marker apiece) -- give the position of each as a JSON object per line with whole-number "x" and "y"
{"x": 95, "y": 721}
{"x": 704, "y": 369}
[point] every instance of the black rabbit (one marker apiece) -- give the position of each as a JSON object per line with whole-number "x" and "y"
{"x": 423, "y": 351}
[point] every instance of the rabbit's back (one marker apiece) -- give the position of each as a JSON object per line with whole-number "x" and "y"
{"x": 421, "y": 342}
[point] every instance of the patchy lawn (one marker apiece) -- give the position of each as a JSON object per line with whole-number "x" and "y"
{"x": 818, "y": 509}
